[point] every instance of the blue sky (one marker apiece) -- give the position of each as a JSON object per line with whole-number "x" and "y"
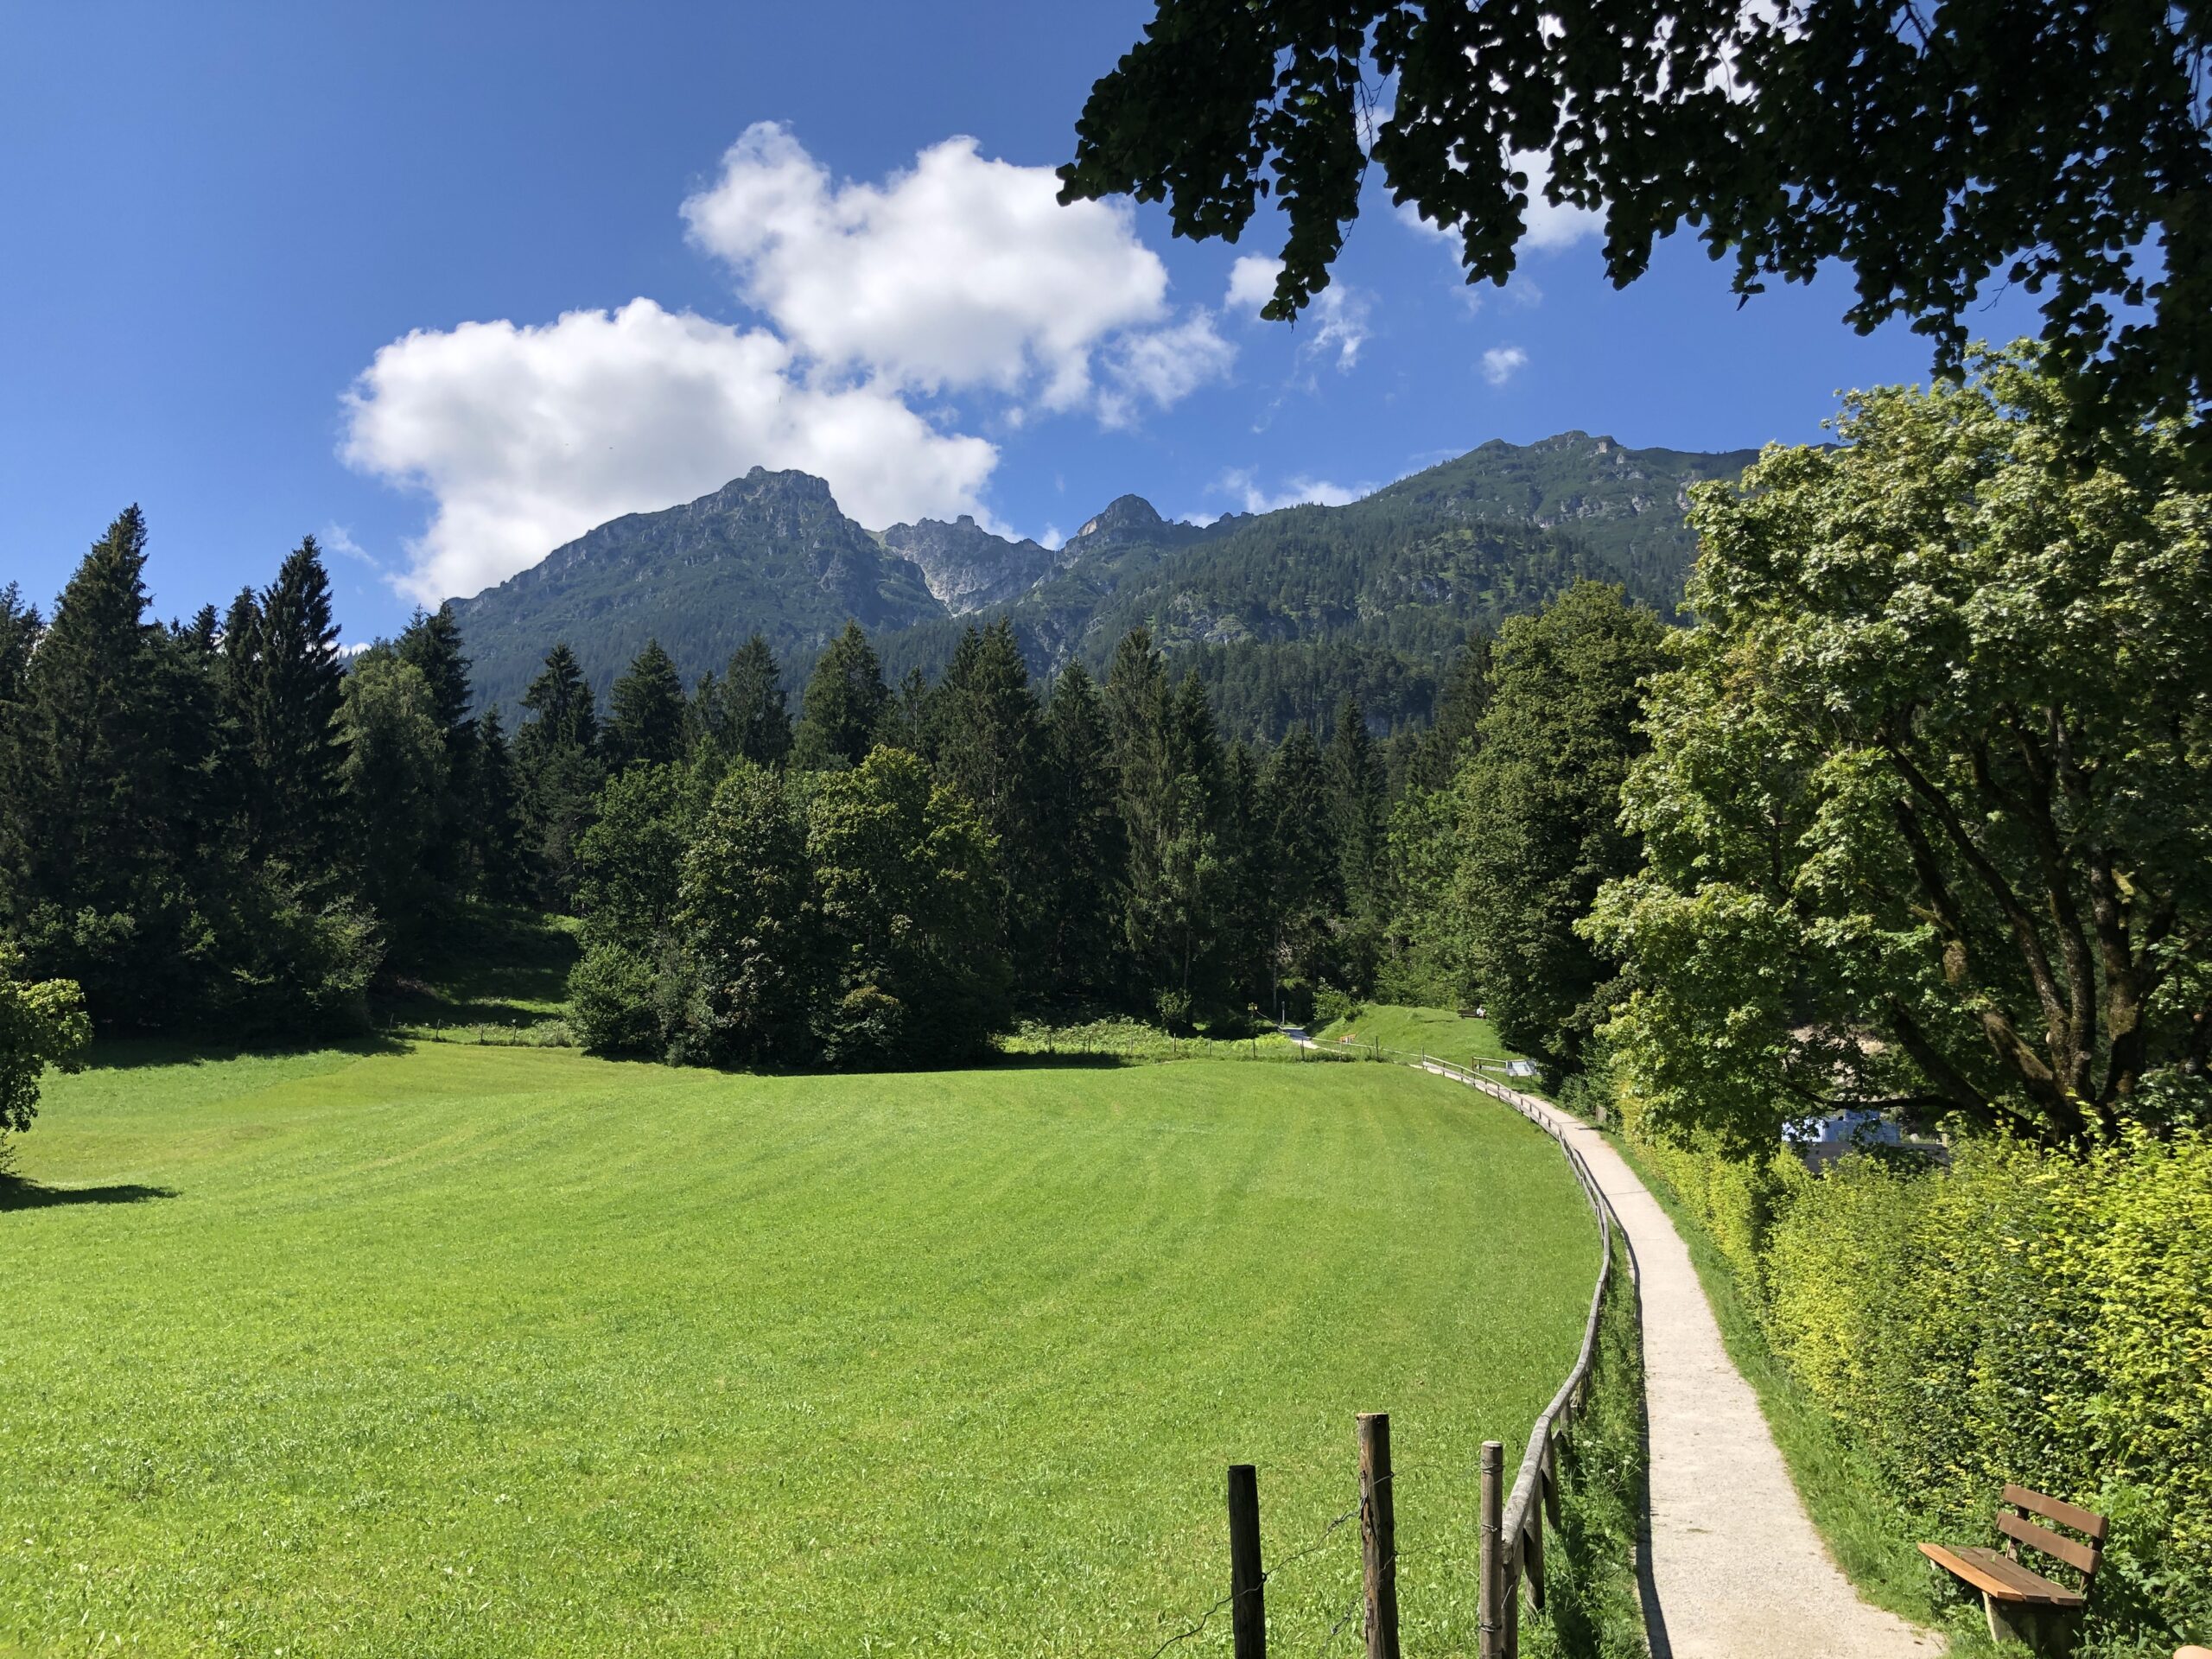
{"x": 444, "y": 284}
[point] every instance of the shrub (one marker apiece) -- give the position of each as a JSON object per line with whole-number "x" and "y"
{"x": 2024, "y": 1315}
{"x": 613, "y": 1001}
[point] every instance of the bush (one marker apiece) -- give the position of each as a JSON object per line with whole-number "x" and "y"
{"x": 1331, "y": 1005}
{"x": 613, "y": 1003}
{"x": 2024, "y": 1315}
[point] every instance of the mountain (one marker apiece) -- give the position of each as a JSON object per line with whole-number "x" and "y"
{"x": 966, "y": 567}
{"x": 769, "y": 550}
{"x": 1281, "y": 613}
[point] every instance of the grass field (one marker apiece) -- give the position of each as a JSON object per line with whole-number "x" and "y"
{"x": 458, "y": 1350}
{"x": 1427, "y": 1030}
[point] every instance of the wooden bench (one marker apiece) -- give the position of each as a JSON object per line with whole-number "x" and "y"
{"x": 2022, "y": 1605}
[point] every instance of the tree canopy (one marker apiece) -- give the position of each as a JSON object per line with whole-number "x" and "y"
{"x": 1929, "y": 804}
{"x": 1936, "y": 150}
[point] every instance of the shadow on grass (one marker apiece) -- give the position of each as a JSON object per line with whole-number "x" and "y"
{"x": 496, "y": 965}
{"x": 131, "y": 1053}
{"x": 17, "y": 1193}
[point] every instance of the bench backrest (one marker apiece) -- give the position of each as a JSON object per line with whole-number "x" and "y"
{"x": 2018, "y": 1504}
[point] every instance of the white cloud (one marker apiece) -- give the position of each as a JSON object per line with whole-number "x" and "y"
{"x": 1251, "y": 282}
{"x": 336, "y": 538}
{"x": 1547, "y": 226}
{"x": 1337, "y": 318}
{"x": 1242, "y": 485}
{"x": 1501, "y": 362}
{"x": 1163, "y": 367}
{"x": 525, "y": 437}
{"x": 960, "y": 272}
{"x": 958, "y": 275}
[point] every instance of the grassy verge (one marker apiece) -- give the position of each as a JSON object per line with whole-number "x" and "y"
{"x": 456, "y": 1350}
{"x": 1427, "y": 1030}
{"x": 1593, "y": 1609}
{"x": 1871, "y": 1538}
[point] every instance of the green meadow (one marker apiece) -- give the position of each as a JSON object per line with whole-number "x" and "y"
{"x": 444, "y": 1350}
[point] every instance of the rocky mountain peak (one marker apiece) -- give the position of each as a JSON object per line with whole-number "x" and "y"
{"x": 1123, "y": 514}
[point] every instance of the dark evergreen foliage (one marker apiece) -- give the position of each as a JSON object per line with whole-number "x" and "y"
{"x": 844, "y": 704}
{"x": 648, "y": 712}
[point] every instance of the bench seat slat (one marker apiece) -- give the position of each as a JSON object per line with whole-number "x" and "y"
{"x": 2059, "y": 1509}
{"x": 2001, "y": 1576}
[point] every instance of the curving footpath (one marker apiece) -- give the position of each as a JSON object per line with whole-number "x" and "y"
{"x": 1734, "y": 1568}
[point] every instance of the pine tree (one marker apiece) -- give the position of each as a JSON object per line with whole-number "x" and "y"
{"x": 745, "y": 716}
{"x": 294, "y": 735}
{"x": 991, "y": 747}
{"x": 1085, "y": 872}
{"x": 844, "y": 705}
{"x": 496, "y": 827}
{"x": 647, "y": 712}
{"x": 556, "y": 754}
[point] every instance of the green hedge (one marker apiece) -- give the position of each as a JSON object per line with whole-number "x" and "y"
{"x": 2024, "y": 1316}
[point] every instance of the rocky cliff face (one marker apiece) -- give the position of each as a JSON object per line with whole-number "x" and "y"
{"x": 967, "y": 567}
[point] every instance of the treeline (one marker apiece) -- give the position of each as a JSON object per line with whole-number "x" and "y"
{"x": 210, "y": 824}
{"x": 889, "y": 876}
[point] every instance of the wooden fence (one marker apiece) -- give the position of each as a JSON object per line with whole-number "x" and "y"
{"x": 1511, "y": 1524}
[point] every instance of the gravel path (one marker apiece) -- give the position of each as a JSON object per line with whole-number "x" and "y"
{"x": 1734, "y": 1569}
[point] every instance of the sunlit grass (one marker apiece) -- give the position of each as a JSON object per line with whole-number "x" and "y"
{"x": 486, "y": 1351}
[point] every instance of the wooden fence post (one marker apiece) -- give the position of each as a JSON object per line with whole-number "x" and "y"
{"x": 1248, "y": 1609}
{"x": 1490, "y": 1628}
{"x": 1378, "y": 1534}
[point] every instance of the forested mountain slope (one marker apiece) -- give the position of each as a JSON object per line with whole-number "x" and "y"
{"x": 1282, "y": 614}
{"x": 769, "y": 551}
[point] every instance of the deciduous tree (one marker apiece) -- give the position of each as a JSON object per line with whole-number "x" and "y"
{"x": 1929, "y": 804}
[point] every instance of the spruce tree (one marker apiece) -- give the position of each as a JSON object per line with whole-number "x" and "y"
{"x": 431, "y": 645}
{"x": 991, "y": 747}
{"x": 496, "y": 822}
{"x": 1441, "y": 750}
{"x": 1084, "y": 873}
{"x": 1305, "y": 876}
{"x": 647, "y": 712}
{"x": 1352, "y": 775}
{"x": 19, "y": 627}
{"x": 556, "y": 754}
{"x": 745, "y": 715}
{"x": 1243, "y": 924}
{"x": 295, "y": 743}
{"x": 99, "y": 877}
{"x": 843, "y": 705}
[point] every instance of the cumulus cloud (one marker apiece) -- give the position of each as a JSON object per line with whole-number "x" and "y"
{"x": 524, "y": 437}
{"x": 1501, "y": 362}
{"x": 1242, "y": 485}
{"x": 1251, "y": 282}
{"x": 959, "y": 272}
